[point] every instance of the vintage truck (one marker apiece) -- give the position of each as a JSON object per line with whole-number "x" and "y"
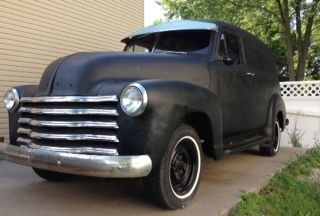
{"x": 178, "y": 91}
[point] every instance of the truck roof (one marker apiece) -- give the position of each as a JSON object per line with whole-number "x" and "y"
{"x": 177, "y": 25}
{"x": 184, "y": 25}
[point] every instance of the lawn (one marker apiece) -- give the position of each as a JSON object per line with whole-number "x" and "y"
{"x": 293, "y": 191}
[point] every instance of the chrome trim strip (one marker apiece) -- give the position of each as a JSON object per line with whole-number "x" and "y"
{"x": 24, "y": 131}
{"x": 77, "y": 150}
{"x": 72, "y": 137}
{"x": 69, "y": 137}
{"x": 93, "y": 124}
{"x": 71, "y": 99}
{"x": 79, "y": 164}
{"x": 24, "y": 140}
{"x": 112, "y": 112}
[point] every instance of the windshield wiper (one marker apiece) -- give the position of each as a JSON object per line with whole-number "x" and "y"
{"x": 175, "y": 52}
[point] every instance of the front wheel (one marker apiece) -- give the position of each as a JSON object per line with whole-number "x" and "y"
{"x": 175, "y": 182}
{"x": 274, "y": 146}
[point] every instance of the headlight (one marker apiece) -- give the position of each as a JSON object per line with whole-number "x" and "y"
{"x": 11, "y": 99}
{"x": 134, "y": 99}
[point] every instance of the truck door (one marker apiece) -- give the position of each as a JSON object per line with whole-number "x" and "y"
{"x": 235, "y": 94}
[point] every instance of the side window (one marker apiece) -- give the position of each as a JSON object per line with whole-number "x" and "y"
{"x": 230, "y": 44}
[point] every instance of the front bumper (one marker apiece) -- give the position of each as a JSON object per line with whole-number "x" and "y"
{"x": 78, "y": 164}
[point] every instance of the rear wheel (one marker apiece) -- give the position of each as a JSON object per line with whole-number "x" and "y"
{"x": 274, "y": 146}
{"x": 175, "y": 182}
{"x": 51, "y": 176}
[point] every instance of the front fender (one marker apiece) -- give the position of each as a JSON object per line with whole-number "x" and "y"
{"x": 168, "y": 103}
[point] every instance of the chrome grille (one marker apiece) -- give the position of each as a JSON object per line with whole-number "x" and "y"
{"x": 75, "y": 124}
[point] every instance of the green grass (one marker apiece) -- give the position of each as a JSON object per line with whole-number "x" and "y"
{"x": 288, "y": 193}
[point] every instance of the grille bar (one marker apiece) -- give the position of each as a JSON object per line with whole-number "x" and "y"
{"x": 71, "y": 124}
{"x": 79, "y": 150}
{"x": 110, "y": 112}
{"x": 24, "y": 140}
{"x": 24, "y": 131}
{"x": 93, "y": 124}
{"x": 70, "y": 99}
{"x": 74, "y": 150}
{"x": 69, "y": 137}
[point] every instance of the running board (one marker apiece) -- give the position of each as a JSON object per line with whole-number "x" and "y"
{"x": 247, "y": 145}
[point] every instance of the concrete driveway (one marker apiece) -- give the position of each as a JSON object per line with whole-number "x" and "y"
{"x": 23, "y": 193}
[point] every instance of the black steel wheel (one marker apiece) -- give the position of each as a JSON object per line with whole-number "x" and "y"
{"x": 175, "y": 182}
{"x": 51, "y": 176}
{"x": 184, "y": 167}
{"x": 273, "y": 147}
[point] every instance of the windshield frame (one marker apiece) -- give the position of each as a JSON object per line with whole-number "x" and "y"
{"x": 206, "y": 51}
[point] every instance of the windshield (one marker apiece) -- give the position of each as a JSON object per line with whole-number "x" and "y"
{"x": 142, "y": 43}
{"x": 187, "y": 41}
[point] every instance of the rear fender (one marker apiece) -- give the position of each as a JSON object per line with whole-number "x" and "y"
{"x": 276, "y": 106}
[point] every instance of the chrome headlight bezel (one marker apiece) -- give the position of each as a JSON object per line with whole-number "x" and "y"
{"x": 11, "y": 99}
{"x": 141, "y": 92}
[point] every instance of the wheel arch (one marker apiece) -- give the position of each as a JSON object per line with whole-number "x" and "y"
{"x": 201, "y": 123}
{"x": 277, "y": 110}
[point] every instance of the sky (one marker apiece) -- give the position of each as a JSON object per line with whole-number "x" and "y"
{"x": 152, "y": 11}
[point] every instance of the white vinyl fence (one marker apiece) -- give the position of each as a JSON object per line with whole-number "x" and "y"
{"x": 302, "y": 99}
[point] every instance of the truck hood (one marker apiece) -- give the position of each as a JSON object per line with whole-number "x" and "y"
{"x": 87, "y": 73}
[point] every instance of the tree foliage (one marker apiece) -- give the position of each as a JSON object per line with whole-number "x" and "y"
{"x": 288, "y": 27}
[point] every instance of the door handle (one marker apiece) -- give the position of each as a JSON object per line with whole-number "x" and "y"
{"x": 250, "y": 74}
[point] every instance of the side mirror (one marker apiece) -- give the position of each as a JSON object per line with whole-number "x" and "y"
{"x": 229, "y": 59}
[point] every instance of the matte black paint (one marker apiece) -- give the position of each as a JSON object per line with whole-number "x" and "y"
{"x": 177, "y": 85}
{"x": 169, "y": 102}
{"x": 86, "y": 73}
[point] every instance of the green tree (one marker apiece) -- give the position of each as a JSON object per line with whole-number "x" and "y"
{"x": 157, "y": 21}
{"x": 287, "y": 26}
{"x": 313, "y": 62}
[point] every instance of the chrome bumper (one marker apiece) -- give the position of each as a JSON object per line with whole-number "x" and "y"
{"x": 78, "y": 164}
